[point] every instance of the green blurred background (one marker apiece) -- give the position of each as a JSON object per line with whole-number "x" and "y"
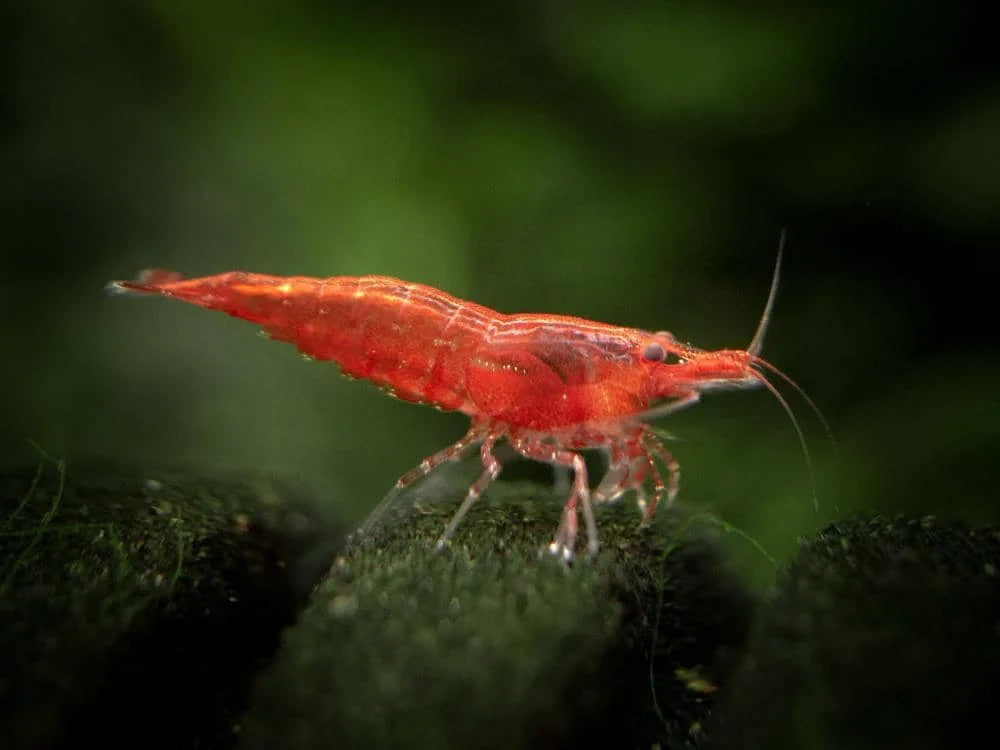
{"x": 630, "y": 163}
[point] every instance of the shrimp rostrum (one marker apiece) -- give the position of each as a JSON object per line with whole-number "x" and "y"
{"x": 550, "y": 385}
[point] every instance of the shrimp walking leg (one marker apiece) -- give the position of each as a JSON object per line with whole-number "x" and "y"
{"x": 425, "y": 467}
{"x": 613, "y": 483}
{"x": 565, "y": 538}
{"x": 476, "y": 433}
{"x": 491, "y": 470}
{"x": 631, "y": 463}
{"x": 673, "y": 476}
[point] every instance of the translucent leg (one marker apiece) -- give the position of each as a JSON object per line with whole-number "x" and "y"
{"x": 673, "y": 476}
{"x": 491, "y": 470}
{"x": 613, "y": 483}
{"x": 634, "y": 459}
{"x": 631, "y": 463}
{"x": 565, "y": 538}
{"x": 425, "y": 467}
{"x": 476, "y": 432}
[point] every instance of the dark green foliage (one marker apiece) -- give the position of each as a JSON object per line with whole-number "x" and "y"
{"x": 882, "y": 633}
{"x": 134, "y": 611}
{"x": 494, "y": 643}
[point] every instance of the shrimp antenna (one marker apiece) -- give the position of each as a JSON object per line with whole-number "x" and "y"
{"x": 798, "y": 431}
{"x": 805, "y": 396}
{"x": 757, "y": 343}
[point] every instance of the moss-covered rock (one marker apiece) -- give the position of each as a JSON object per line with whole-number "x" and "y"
{"x": 494, "y": 643}
{"x": 881, "y": 633}
{"x": 135, "y": 610}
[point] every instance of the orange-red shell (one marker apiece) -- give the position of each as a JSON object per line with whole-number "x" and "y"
{"x": 539, "y": 372}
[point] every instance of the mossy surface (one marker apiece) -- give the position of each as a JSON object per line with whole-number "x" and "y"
{"x": 494, "y": 643}
{"x": 134, "y": 610}
{"x": 881, "y": 633}
{"x": 152, "y": 606}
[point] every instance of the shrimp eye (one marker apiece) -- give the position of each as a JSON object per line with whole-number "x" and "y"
{"x": 654, "y": 352}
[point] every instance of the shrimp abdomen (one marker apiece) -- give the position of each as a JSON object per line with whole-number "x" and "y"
{"x": 410, "y": 339}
